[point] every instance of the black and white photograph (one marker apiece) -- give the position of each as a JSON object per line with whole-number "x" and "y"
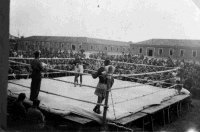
{"x": 100, "y": 65}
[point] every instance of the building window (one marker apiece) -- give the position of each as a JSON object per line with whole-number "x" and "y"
{"x": 171, "y": 52}
{"x": 96, "y": 47}
{"x": 38, "y": 45}
{"x": 68, "y": 45}
{"x": 34, "y": 44}
{"x": 26, "y": 43}
{"x": 115, "y": 48}
{"x": 80, "y": 46}
{"x": 105, "y": 48}
{"x": 150, "y": 51}
{"x": 73, "y": 47}
{"x": 62, "y": 45}
{"x": 52, "y": 44}
{"x": 118, "y": 49}
{"x": 29, "y": 43}
{"x": 140, "y": 50}
{"x": 42, "y": 44}
{"x": 91, "y": 47}
{"x": 57, "y": 45}
{"x": 99, "y": 47}
{"x": 194, "y": 53}
{"x": 124, "y": 49}
{"x": 182, "y": 52}
{"x": 160, "y": 51}
{"x": 48, "y": 44}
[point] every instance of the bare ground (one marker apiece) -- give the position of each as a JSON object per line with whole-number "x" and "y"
{"x": 187, "y": 122}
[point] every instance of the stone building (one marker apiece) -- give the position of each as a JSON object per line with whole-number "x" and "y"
{"x": 188, "y": 50}
{"x": 60, "y": 44}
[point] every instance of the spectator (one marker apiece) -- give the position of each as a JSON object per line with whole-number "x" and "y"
{"x": 36, "y": 76}
{"x": 35, "y": 117}
{"x": 18, "y": 109}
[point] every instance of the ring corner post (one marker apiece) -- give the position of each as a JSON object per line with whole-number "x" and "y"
{"x": 104, "y": 122}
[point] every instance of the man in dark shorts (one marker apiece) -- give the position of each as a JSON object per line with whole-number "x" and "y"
{"x": 36, "y": 76}
{"x": 100, "y": 91}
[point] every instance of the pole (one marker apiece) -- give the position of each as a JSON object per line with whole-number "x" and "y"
{"x": 104, "y": 123}
{"x": 4, "y": 54}
{"x": 181, "y": 75}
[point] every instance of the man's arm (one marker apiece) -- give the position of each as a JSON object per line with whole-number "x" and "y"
{"x": 98, "y": 73}
{"x": 40, "y": 66}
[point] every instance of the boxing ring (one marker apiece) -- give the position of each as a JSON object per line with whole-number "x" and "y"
{"x": 60, "y": 97}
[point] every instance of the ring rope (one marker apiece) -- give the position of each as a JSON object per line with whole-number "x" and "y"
{"x": 87, "y": 59}
{"x": 148, "y": 73}
{"x": 132, "y": 63}
{"x": 125, "y": 128}
{"x": 41, "y": 58}
{"x": 113, "y": 105}
{"x": 64, "y": 71}
{"x": 126, "y": 75}
{"x": 144, "y": 95}
{"x": 126, "y": 87}
{"x": 85, "y": 101}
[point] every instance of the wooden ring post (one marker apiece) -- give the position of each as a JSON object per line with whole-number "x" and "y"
{"x": 104, "y": 122}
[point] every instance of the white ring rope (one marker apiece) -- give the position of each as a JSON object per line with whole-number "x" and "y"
{"x": 148, "y": 73}
{"x": 61, "y": 95}
{"x": 144, "y": 95}
{"x": 64, "y": 71}
{"x": 88, "y": 59}
{"x": 131, "y": 63}
{"x": 41, "y": 58}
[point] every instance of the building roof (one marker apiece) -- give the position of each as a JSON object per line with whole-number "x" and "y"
{"x": 57, "y": 39}
{"x": 12, "y": 37}
{"x": 170, "y": 42}
{"x": 109, "y": 42}
{"x": 76, "y": 40}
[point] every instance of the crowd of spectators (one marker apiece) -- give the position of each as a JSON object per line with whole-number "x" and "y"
{"x": 124, "y": 64}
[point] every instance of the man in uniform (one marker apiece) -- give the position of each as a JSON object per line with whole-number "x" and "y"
{"x": 36, "y": 76}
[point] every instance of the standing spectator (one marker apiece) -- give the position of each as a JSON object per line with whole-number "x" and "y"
{"x": 77, "y": 70}
{"x": 34, "y": 116}
{"x": 36, "y": 76}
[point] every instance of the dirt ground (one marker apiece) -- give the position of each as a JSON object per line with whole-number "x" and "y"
{"x": 187, "y": 122}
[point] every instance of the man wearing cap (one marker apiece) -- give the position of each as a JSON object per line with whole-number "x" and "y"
{"x": 36, "y": 76}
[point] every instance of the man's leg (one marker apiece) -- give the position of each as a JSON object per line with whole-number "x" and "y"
{"x": 75, "y": 79}
{"x": 32, "y": 90}
{"x": 38, "y": 87}
{"x": 97, "y": 107}
{"x": 80, "y": 80}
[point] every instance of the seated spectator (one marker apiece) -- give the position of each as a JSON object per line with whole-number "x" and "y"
{"x": 178, "y": 86}
{"x": 18, "y": 109}
{"x": 34, "y": 116}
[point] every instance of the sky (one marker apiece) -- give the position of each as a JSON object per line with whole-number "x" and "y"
{"x": 121, "y": 20}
